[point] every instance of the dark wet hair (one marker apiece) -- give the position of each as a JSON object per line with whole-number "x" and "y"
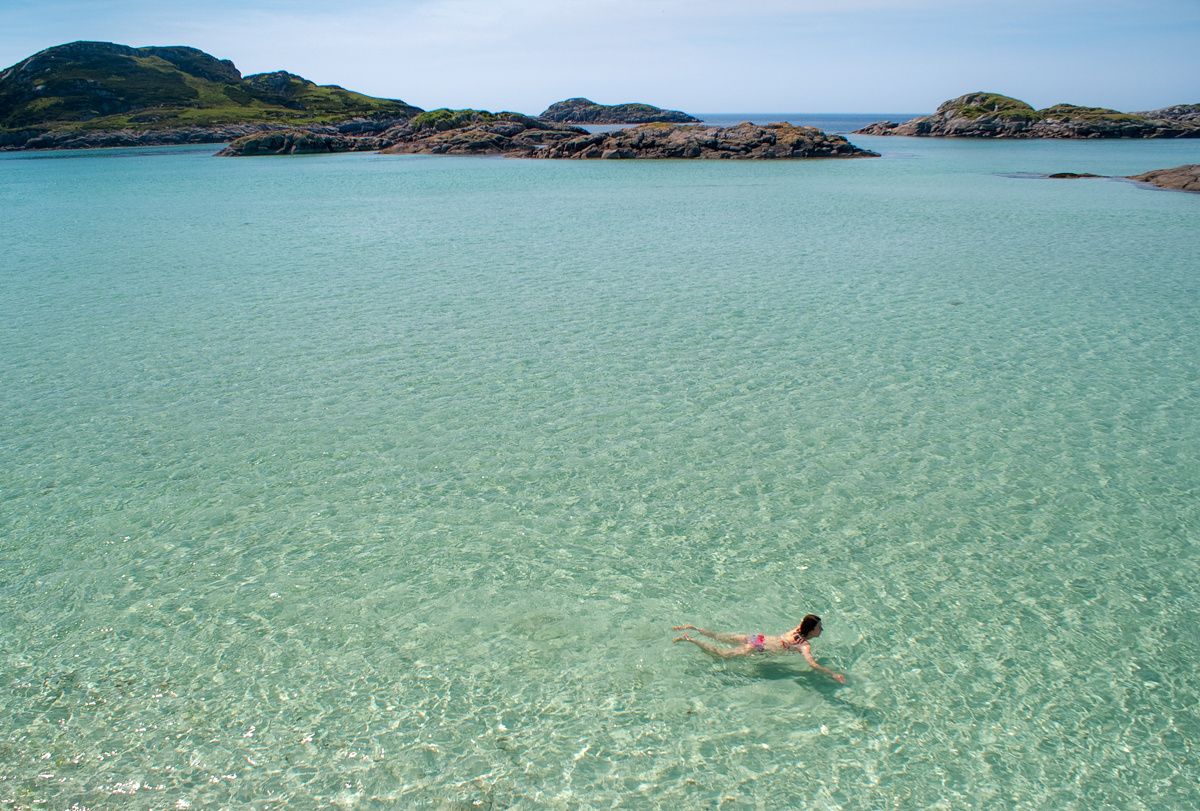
{"x": 808, "y": 624}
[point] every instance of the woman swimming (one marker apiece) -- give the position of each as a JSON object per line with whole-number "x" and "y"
{"x": 795, "y": 640}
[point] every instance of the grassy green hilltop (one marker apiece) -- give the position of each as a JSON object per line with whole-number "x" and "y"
{"x": 104, "y": 86}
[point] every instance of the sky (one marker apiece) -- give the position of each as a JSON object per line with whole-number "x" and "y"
{"x": 700, "y": 56}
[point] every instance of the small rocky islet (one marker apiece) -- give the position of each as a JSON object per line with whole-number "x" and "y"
{"x": 481, "y": 133}
{"x": 743, "y": 141}
{"x": 585, "y": 111}
{"x": 991, "y": 115}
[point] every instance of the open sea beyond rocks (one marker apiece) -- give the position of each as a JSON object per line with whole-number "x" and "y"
{"x": 362, "y": 481}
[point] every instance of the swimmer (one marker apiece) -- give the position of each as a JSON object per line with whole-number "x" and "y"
{"x": 744, "y": 644}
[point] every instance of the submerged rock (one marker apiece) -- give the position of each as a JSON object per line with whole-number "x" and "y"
{"x": 699, "y": 141}
{"x": 1182, "y": 178}
{"x": 991, "y": 115}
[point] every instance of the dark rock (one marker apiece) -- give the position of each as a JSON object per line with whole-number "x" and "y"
{"x": 991, "y": 115}
{"x": 476, "y": 132}
{"x": 1182, "y": 178}
{"x": 583, "y": 111}
{"x": 482, "y": 133}
{"x": 96, "y": 139}
{"x": 744, "y": 141}
{"x": 439, "y": 132}
{"x": 299, "y": 142}
{"x": 1071, "y": 175}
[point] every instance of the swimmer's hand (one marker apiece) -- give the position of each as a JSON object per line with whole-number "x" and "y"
{"x": 841, "y": 679}
{"x": 684, "y": 628}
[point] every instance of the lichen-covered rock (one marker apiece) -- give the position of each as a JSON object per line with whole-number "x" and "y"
{"x": 225, "y": 134}
{"x": 298, "y": 142}
{"x": 1182, "y": 178}
{"x": 698, "y": 141}
{"x": 991, "y": 115}
{"x": 439, "y": 132}
{"x": 584, "y": 111}
{"x": 475, "y": 132}
{"x": 96, "y": 139}
{"x": 1179, "y": 112}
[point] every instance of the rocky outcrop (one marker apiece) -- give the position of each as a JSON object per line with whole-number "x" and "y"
{"x": 96, "y": 139}
{"x": 1180, "y": 112}
{"x": 438, "y": 132}
{"x": 476, "y": 132}
{"x": 299, "y": 142}
{"x": 991, "y": 115}
{"x": 1182, "y": 178}
{"x": 698, "y": 141}
{"x": 583, "y": 111}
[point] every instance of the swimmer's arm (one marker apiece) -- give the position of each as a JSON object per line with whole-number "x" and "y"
{"x": 806, "y": 649}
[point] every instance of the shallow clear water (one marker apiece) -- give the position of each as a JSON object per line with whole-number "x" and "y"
{"x": 366, "y": 481}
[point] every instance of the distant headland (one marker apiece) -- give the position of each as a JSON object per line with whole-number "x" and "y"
{"x": 991, "y": 115}
{"x": 91, "y": 94}
{"x": 583, "y": 111}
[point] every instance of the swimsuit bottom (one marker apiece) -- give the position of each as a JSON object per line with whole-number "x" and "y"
{"x": 757, "y": 641}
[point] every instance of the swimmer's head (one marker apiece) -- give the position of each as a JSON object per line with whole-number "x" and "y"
{"x": 810, "y": 626}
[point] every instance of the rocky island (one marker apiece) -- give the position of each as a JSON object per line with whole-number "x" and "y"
{"x": 91, "y": 94}
{"x": 991, "y": 115}
{"x": 699, "y": 141}
{"x": 437, "y": 132}
{"x": 583, "y": 111}
{"x": 478, "y": 132}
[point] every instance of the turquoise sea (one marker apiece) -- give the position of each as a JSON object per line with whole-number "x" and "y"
{"x": 370, "y": 482}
